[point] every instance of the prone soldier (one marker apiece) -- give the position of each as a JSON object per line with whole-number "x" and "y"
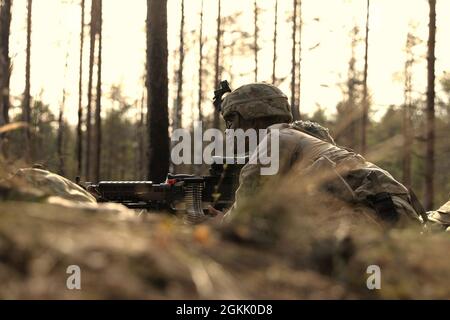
{"x": 306, "y": 149}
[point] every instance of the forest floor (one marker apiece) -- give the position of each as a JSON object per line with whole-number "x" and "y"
{"x": 274, "y": 250}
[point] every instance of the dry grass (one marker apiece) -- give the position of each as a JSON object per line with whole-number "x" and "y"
{"x": 287, "y": 247}
{"x": 156, "y": 256}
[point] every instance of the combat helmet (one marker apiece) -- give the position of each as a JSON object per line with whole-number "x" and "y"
{"x": 257, "y": 100}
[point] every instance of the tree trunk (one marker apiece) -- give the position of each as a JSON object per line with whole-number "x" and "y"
{"x": 407, "y": 125}
{"x": 200, "y": 66}
{"x": 299, "y": 77}
{"x": 255, "y": 38}
{"x": 26, "y": 95}
{"x": 5, "y": 74}
{"x": 157, "y": 90}
{"x": 179, "y": 105}
{"x": 141, "y": 132}
{"x": 60, "y": 135}
{"x": 352, "y": 111}
{"x": 365, "y": 102}
{"x": 430, "y": 126}
{"x": 92, "y": 31}
{"x": 274, "y": 59}
{"x": 5, "y": 62}
{"x": 294, "y": 64}
{"x": 217, "y": 79}
{"x": 98, "y": 100}
{"x": 79, "y": 145}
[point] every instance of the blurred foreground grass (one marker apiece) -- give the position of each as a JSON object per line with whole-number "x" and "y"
{"x": 273, "y": 249}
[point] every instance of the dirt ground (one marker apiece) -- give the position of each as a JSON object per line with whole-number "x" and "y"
{"x": 157, "y": 256}
{"x": 275, "y": 249}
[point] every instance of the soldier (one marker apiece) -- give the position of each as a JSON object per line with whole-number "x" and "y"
{"x": 307, "y": 150}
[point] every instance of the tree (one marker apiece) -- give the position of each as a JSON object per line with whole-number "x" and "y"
{"x": 98, "y": 99}
{"x": 79, "y": 143}
{"x": 217, "y": 75}
{"x": 141, "y": 136}
{"x": 365, "y": 103}
{"x": 61, "y": 128}
{"x": 157, "y": 90}
{"x": 411, "y": 41}
{"x": 119, "y": 156}
{"x": 200, "y": 65}
{"x": 274, "y": 59}
{"x": 237, "y": 43}
{"x": 26, "y": 96}
{"x": 179, "y": 102}
{"x": 299, "y": 63}
{"x": 348, "y": 111}
{"x": 92, "y": 33}
{"x": 295, "y": 111}
{"x": 5, "y": 62}
{"x": 255, "y": 39}
{"x": 430, "y": 111}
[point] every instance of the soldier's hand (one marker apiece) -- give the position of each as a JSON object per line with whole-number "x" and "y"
{"x": 214, "y": 212}
{"x": 216, "y": 216}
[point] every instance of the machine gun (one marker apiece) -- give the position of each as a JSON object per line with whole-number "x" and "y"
{"x": 190, "y": 194}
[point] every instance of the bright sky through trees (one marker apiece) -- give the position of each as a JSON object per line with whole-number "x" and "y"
{"x": 325, "y": 48}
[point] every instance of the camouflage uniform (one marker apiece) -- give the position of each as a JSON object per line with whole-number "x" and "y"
{"x": 52, "y": 184}
{"x": 308, "y": 151}
{"x": 440, "y": 217}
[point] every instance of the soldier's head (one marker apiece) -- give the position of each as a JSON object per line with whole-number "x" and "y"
{"x": 257, "y": 106}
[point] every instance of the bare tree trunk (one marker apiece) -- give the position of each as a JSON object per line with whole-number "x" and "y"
{"x": 200, "y": 66}
{"x": 60, "y": 135}
{"x": 365, "y": 102}
{"x": 299, "y": 85}
{"x": 430, "y": 126}
{"x": 79, "y": 146}
{"x": 353, "y": 112}
{"x": 93, "y": 32}
{"x": 5, "y": 62}
{"x": 216, "y": 123}
{"x": 26, "y": 95}
{"x": 141, "y": 136}
{"x": 255, "y": 38}
{"x": 179, "y": 105}
{"x": 407, "y": 133}
{"x": 98, "y": 100}
{"x": 274, "y": 59}
{"x": 59, "y": 138}
{"x": 5, "y": 72}
{"x": 294, "y": 64}
{"x": 157, "y": 90}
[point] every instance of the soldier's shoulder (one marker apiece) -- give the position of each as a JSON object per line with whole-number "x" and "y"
{"x": 286, "y": 134}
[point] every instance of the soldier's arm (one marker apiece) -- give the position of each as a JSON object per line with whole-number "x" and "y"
{"x": 251, "y": 181}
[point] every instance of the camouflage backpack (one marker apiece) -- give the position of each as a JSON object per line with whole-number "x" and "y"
{"x": 51, "y": 184}
{"x": 441, "y": 217}
{"x": 349, "y": 177}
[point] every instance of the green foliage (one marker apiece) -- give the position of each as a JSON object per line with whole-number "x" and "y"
{"x": 43, "y": 136}
{"x": 119, "y": 146}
